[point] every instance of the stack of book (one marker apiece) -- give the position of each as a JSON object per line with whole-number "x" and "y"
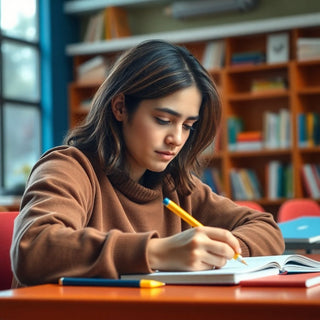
{"x": 247, "y": 58}
{"x": 249, "y": 140}
{"x": 235, "y": 126}
{"x": 308, "y": 49}
{"x": 268, "y": 84}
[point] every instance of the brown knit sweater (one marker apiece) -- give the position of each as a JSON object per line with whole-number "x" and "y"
{"x": 76, "y": 221}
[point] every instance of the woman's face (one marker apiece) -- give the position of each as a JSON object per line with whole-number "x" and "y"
{"x": 158, "y": 130}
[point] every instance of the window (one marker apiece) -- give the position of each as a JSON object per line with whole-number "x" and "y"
{"x": 20, "y": 112}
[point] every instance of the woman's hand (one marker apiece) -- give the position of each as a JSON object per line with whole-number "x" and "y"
{"x": 200, "y": 248}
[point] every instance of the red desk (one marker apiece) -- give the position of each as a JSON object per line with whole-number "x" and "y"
{"x": 48, "y": 302}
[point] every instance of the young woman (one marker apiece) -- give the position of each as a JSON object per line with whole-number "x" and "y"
{"x": 93, "y": 207}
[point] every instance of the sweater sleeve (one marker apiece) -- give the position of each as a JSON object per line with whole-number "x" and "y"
{"x": 53, "y": 236}
{"x": 257, "y": 231}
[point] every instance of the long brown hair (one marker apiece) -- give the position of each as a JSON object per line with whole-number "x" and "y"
{"x": 152, "y": 69}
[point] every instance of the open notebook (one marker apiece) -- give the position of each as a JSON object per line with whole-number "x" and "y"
{"x": 233, "y": 272}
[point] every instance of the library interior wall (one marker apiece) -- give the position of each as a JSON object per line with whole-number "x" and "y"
{"x": 57, "y": 70}
{"x": 152, "y": 19}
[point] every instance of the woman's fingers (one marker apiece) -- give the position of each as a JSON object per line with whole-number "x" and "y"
{"x": 200, "y": 248}
{"x": 223, "y": 236}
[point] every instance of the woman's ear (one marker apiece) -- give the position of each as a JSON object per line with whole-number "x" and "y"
{"x": 119, "y": 107}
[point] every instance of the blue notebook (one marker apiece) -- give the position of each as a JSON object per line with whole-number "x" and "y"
{"x": 304, "y": 229}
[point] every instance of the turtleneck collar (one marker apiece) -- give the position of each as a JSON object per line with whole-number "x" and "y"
{"x": 133, "y": 190}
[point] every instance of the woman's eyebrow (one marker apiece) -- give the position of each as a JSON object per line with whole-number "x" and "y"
{"x": 175, "y": 113}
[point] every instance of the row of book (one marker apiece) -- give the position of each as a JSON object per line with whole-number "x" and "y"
{"x": 245, "y": 184}
{"x": 214, "y": 54}
{"x": 268, "y": 84}
{"x": 212, "y": 177}
{"x": 279, "y": 180}
{"x": 308, "y": 125}
{"x": 248, "y": 58}
{"x": 277, "y": 51}
{"x": 279, "y": 183}
{"x": 109, "y": 23}
{"x": 275, "y": 134}
{"x": 311, "y": 179}
{"x": 308, "y": 49}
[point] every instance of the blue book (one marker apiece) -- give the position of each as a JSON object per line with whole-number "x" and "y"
{"x": 305, "y": 229}
{"x": 207, "y": 178}
{"x": 302, "y": 130}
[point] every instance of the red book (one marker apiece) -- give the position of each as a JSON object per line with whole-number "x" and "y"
{"x": 305, "y": 280}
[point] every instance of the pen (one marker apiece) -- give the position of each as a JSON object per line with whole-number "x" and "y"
{"x": 172, "y": 206}
{"x": 100, "y": 282}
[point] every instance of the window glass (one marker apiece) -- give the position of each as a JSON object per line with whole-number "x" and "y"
{"x": 20, "y": 71}
{"x": 18, "y": 19}
{"x": 21, "y": 143}
{"x": 20, "y": 105}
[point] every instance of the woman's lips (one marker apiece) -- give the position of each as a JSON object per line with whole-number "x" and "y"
{"x": 166, "y": 155}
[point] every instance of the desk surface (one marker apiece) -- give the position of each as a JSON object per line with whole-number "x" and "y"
{"x": 170, "y": 302}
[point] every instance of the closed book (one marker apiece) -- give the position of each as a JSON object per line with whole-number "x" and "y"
{"x": 304, "y": 229}
{"x": 305, "y": 280}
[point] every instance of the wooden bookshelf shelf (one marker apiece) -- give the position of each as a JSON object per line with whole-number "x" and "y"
{"x": 259, "y": 95}
{"x": 309, "y": 91}
{"x": 259, "y": 153}
{"x": 257, "y": 68}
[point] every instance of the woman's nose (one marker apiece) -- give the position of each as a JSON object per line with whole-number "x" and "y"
{"x": 175, "y": 136}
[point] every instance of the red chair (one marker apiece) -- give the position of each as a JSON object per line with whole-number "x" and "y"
{"x": 295, "y": 208}
{"x": 6, "y": 230}
{"x": 250, "y": 204}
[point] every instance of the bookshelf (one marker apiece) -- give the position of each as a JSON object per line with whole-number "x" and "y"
{"x": 299, "y": 92}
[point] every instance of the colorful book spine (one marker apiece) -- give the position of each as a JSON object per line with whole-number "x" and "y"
{"x": 308, "y": 129}
{"x": 279, "y": 180}
{"x": 212, "y": 178}
{"x": 310, "y": 180}
{"x": 235, "y": 125}
{"x": 245, "y": 184}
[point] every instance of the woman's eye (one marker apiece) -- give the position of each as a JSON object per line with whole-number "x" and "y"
{"x": 188, "y": 127}
{"x": 162, "y": 121}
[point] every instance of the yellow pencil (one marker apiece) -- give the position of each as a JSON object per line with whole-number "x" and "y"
{"x": 184, "y": 215}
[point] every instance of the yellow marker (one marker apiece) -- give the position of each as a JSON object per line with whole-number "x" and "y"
{"x": 184, "y": 215}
